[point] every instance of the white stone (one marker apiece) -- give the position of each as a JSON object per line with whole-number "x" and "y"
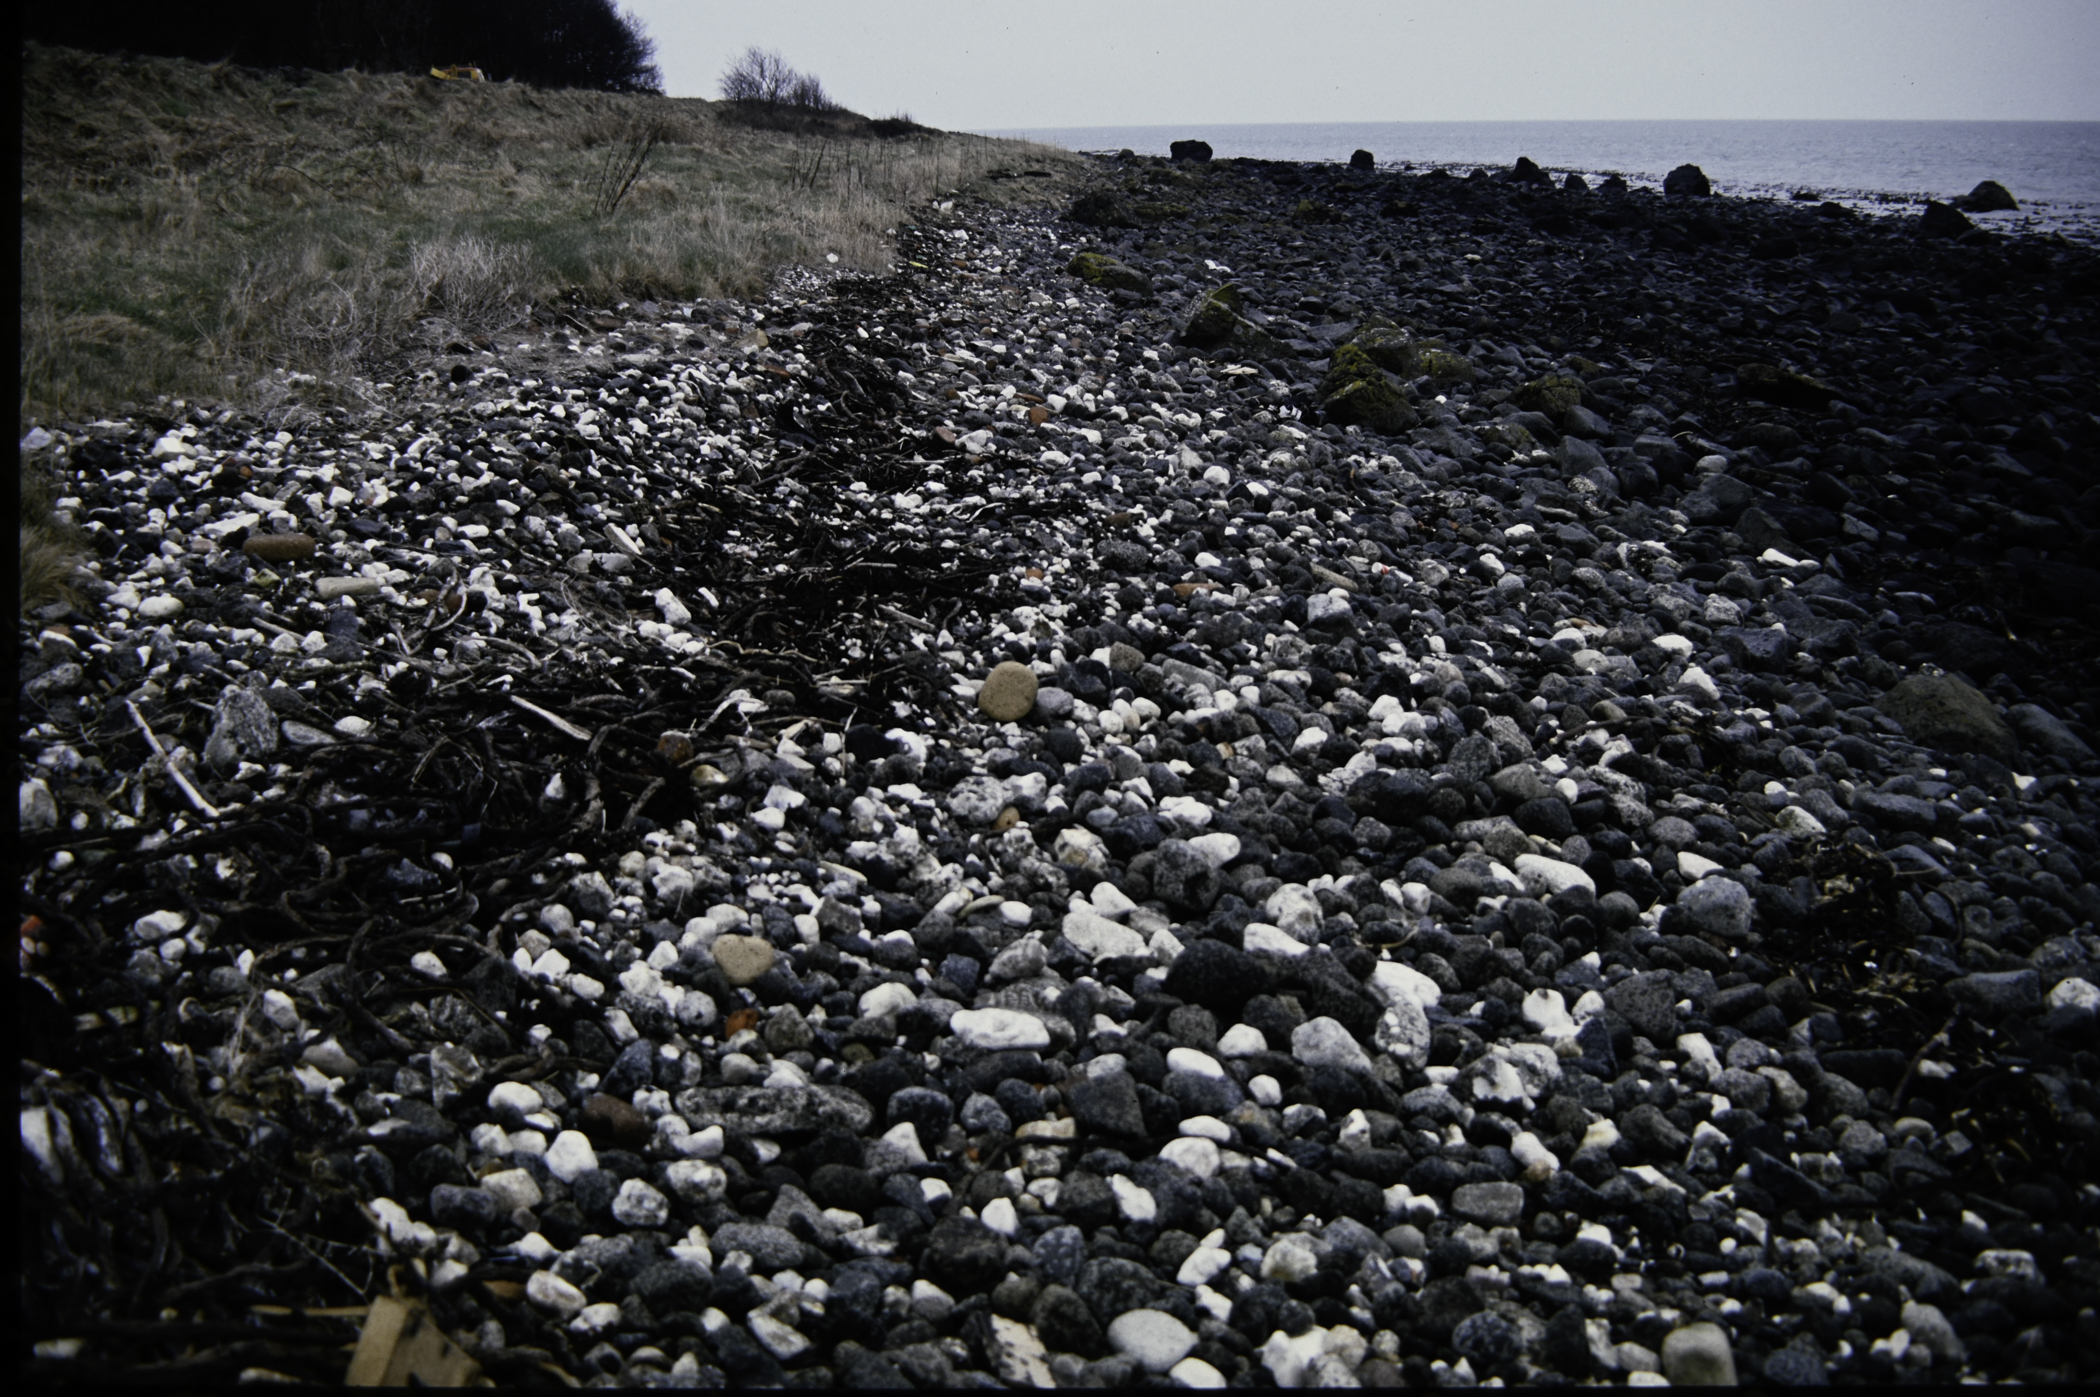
{"x": 2075, "y": 993}
{"x": 1078, "y": 847}
{"x": 1326, "y": 606}
{"x": 1188, "y": 813}
{"x": 1195, "y": 1373}
{"x": 156, "y": 926}
{"x": 1218, "y": 848}
{"x": 1003, "y": 1028}
{"x": 1697, "y": 685}
{"x": 1544, "y": 877}
{"x": 1323, "y": 1042}
{"x": 1192, "y": 1060}
{"x": 903, "y": 1138}
{"x": 1265, "y": 1089}
{"x": 1546, "y": 1011}
{"x": 1111, "y": 901}
{"x": 1017, "y": 1354}
{"x": 1134, "y": 1199}
{"x": 1194, "y": 1153}
{"x": 1154, "y": 1338}
{"x": 781, "y": 1339}
{"x": 160, "y": 608}
{"x": 513, "y": 1100}
{"x": 595, "y": 1319}
{"x": 1532, "y": 1155}
{"x": 1207, "y": 1128}
{"x": 512, "y": 1189}
{"x": 1099, "y": 937}
{"x": 551, "y": 1292}
{"x": 1796, "y": 821}
{"x": 426, "y": 964}
{"x": 570, "y": 1155}
{"x": 1260, "y": 936}
{"x": 675, "y": 612}
{"x": 1288, "y": 1358}
{"x": 41, "y": 1127}
{"x": 1000, "y": 1216}
{"x": 1290, "y": 1257}
{"x": 1202, "y": 1265}
{"x": 1242, "y": 1040}
{"x": 278, "y": 1008}
{"x": 639, "y": 1205}
{"x": 1692, "y": 867}
{"x": 887, "y": 998}
{"x": 1294, "y": 909}
{"x": 1393, "y": 982}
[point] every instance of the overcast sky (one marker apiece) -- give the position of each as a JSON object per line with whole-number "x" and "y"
{"x": 992, "y": 65}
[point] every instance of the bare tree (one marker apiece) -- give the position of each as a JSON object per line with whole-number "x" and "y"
{"x": 762, "y": 75}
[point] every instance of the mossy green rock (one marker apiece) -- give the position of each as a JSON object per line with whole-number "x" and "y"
{"x": 1553, "y": 395}
{"x": 1952, "y": 716}
{"x": 1214, "y": 318}
{"x": 1389, "y": 347}
{"x": 1153, "y": 212}
{"x": 1099, "y": 269}
{"x": 1357, "y": 392}
{"x": 1312, "y": 211}
{"x": 1444, "y": 365}
{"x": 1509, "y": 434}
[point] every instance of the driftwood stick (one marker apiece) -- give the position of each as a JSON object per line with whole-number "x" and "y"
{"x": 196, "y": 797}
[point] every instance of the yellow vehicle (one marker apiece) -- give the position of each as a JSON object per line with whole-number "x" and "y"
{"x": 458, "y": 74}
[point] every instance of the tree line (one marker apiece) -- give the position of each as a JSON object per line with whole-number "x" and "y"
{"x": 547, "y": 43}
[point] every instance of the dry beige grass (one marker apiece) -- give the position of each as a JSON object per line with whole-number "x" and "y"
{"x": 187, "y": 228}
{"x": 190, "y": 230}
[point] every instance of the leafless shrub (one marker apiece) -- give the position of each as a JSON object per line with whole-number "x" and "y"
{"x": 763, "y": 76}
{"x": 623, "y": 165}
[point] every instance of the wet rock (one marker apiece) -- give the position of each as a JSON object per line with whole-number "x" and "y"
{"x": 1942, "y": 710}
{"x": 1687, "y": 180}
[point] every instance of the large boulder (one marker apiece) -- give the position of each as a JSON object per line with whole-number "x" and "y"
{"x": 1950, "y": 715}
{"x": 1943, "y": 221}
{"x": 1357, "y": 392}
{"x": 1687, "y": 180}
{"x": 1100, "y": 269}
{"x": 1388, "y": 346}
{"x": 1988, "y": 197}
{"x": 1098, "y": 208}
{"x": 1198, "y": 151}
{"x": 1216, "y": 324}
{"x": 1526, "y": 171}
{"x": 1552, "y": 394}
{"x": 1361, "y": 160}
{"x": 1396, "y": 351}
{"x": 1213, "y": 318}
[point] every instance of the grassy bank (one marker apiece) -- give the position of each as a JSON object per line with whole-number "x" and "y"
{"x": 207, "y": 232}
{"x": 187, "y": 227}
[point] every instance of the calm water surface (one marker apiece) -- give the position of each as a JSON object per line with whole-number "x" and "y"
{"x": 2052, "y": 167}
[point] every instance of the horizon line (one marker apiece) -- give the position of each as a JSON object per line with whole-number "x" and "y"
{"x": 1557, "y": 120}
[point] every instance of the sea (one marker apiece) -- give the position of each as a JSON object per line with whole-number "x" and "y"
{"x": 2051, "y": 167}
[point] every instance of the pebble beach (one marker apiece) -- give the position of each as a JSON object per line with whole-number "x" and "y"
{"x": 1290, "y": 776}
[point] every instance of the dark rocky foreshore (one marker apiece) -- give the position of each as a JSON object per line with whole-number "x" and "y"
{"x": 1509, "y": 798}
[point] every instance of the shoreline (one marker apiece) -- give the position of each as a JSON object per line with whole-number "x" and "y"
{"x": 1202, "y": 886}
